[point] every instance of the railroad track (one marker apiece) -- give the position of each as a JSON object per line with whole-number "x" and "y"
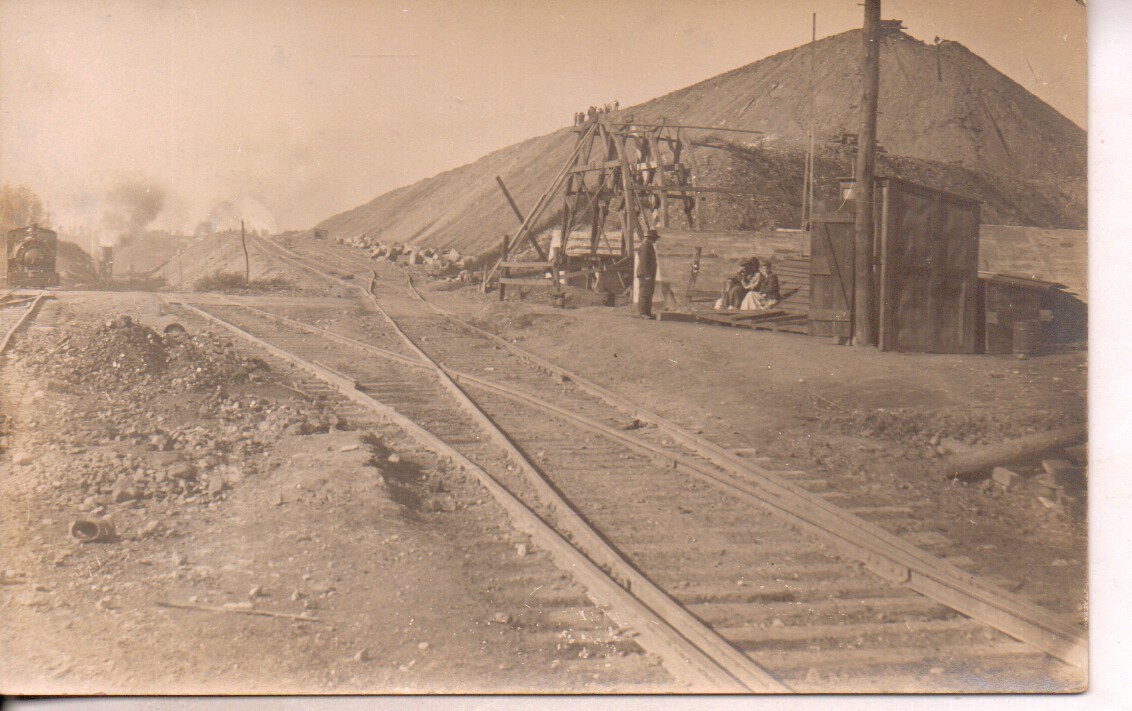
{"x": 708, "y": 542}
{"x": 15, "y": 312}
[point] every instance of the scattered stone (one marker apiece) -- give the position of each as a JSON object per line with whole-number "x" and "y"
{"x": 394, "y": 459}
{"x": 322, "y": 588}
{"x": 423, "y": 646}
{"x": 1006, "y": 478}
{"x": 123, "y": 490}
{"x": 362, "y": 655}
{"x": 256, "y": 591}
{"x": 1052, "y": 506}
{"x": 182, "y": 470}
{"x": 501, "y": 618}
{"x": 149, "y": 528}
{"x": 241, "y": 605}
{"x": 31, "y": 598}
{"x": 521, "y": 549}
{"x": 11, "y": 577}
{"x": 22, "y": 458}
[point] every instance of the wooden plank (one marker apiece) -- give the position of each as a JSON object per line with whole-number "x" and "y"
{"x": 758, "y": 315}
{"x": 676, "y": 316}
{"x": 525, "y": 281}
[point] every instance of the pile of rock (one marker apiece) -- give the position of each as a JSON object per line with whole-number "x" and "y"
{"x": 152, "y": 418}
{"x": 123, "y": 355}
{"x": 140, "y": 457}
{"x": 413, "y": 255}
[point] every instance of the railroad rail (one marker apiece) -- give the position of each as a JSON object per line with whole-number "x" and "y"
{"x": 823, "y": 614}
{"x": 13, "y": 319}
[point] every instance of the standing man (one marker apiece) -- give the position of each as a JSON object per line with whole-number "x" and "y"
{"x": 646, "y": 273}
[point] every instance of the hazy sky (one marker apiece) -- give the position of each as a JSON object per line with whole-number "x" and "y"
{"x": 295, "y": 111}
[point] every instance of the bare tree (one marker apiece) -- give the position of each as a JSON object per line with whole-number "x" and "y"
{"x": 19, "y": 207}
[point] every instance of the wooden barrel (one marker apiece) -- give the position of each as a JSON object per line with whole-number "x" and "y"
{"x": 1027, "y": 338}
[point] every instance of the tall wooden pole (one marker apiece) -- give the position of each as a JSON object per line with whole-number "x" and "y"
{"x": 247, "y": 262}
{"x": 864, "y": 308}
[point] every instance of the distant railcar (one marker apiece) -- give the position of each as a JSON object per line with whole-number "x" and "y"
{"x": 29, "y": 257}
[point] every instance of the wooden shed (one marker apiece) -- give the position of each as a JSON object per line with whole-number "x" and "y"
{"x": 925, "y": 267}
{"x": 1008, "y": 299}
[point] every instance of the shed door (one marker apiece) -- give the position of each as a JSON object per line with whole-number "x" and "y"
{"x": 929, "y": 273}
{"x": 831, "y": 279}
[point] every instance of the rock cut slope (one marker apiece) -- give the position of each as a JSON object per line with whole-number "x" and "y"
{"x": 948, "y": 119}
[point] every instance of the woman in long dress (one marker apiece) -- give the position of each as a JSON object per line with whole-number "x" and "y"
{"x": 765, "y": 294}
{"x": 738, "y": 285}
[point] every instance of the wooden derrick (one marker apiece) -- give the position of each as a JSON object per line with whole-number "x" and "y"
{"x": 621, "y": 177}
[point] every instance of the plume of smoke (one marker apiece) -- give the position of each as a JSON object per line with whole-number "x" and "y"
{"x": 130, "y": 207}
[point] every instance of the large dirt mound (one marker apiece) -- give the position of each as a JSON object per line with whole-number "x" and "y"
{"x": 937, "y": 102}
{"x": 947, "y": 119}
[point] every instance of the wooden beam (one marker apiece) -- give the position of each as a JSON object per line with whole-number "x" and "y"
{"x": 524, "y": 233}
{"x": 678, "y": 189}
{"x": 681, "y": 125}
{"x": 510, "y": 200}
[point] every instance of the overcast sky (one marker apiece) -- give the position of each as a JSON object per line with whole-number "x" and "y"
{"x": 296, "y": 110}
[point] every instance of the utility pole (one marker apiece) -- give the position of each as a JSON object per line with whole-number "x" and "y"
{"x": 247, "y": 263}
{"x": 864, "y": 328}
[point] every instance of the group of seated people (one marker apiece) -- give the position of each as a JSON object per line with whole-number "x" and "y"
{"x": 753, "y": 287}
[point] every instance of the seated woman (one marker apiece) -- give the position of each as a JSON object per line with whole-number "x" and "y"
{"x": 738, "y": 285}
{"x": 766, "y": 293}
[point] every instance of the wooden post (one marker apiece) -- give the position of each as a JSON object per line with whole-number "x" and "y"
{"x": 808, "y": 183}
{"x": 629, "y": 214}
{"x": 864, "y": 328}
{"x": 661, "y": 179}
{"x": 247, "y": 262}
{"x": 504, "y": 272}
{"x": 700, "y": 216}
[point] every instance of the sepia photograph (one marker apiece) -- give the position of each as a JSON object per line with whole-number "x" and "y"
{"x": 614, "y": 347}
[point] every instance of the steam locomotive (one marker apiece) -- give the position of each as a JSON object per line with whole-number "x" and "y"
{"x": 29, "y": 257}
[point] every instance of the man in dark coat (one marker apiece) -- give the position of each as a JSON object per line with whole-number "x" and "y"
{"x": 646, "y": 273}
